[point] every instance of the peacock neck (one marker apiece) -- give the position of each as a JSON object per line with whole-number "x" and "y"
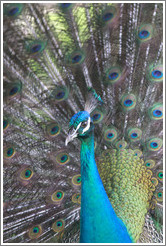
{"x": 99, "y": 223}
{"x": 88, "y": 164}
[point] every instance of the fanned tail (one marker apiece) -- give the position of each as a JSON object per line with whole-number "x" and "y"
{"x": 53, "y": 54}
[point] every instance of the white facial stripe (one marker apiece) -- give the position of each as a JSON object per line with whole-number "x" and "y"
{"x": 78, "y": 127}
{"x": 87, "y": 127}
{"x": 74, "y": 134}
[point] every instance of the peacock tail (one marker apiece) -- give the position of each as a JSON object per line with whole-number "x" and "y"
{"x": 53, "y": 53}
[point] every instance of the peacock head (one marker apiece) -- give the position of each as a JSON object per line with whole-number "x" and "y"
{"x": 81, "y": 124}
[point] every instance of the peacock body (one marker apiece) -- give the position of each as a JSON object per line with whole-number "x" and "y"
{"x": 53, "y": 53}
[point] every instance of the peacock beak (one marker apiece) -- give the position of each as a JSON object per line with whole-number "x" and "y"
{"x": 72, "y": 134}
{"x": 70, "y": 138}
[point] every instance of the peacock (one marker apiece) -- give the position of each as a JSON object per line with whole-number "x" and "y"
{"x": 82, "y": 122}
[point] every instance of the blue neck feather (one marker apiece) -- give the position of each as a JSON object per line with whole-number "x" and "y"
{"x": 99, "y": 223}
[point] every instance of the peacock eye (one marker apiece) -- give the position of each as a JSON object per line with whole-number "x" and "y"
{"x": 84, "y": 124}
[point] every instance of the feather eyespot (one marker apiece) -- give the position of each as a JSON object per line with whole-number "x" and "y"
{"x": 97, "y": 116}
{"x": 5, "y": 124}
{"x": 145, "y": 33}
{"x": 60, "y": 157}
{"x": 60, "y": 93}
{"x": 150, "y": 163}
{"x": 14, "y": 89}
{"x": 134, "y": 134}
{"x": 154, "y": 181}
{"x": 9, "y": 152}
{"x": 160, "y": 175}
{"x": 156, "y": 111}
{"x": 35, "y": 232}
{"x": 76, "y": 58}
{"x": 128, "y": 102}
{"x": 138, "y": 152}
{"x": 76, "y": 198}
{"x": 13, "y": 10}
{"x": 109, "y": 14}
{"x": 35, "y": 47}
{"x": 53, "y": 129}
{"x": 64, "y": 159}
{"x": 57, "y": 196}
{"x": 121, "y": 144}
{"x": 154, "y": 144}
{"x": 159, "y": 196}
{"x": 114, "y": 75}
{"x": 155, "y": 73}
{"x": 26, "y": 174}
{"x": 58, "y": 225}
{"x": 76, "y": 180}
{"x": 110, "y": 134}
{"x": 65, "y": 5}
